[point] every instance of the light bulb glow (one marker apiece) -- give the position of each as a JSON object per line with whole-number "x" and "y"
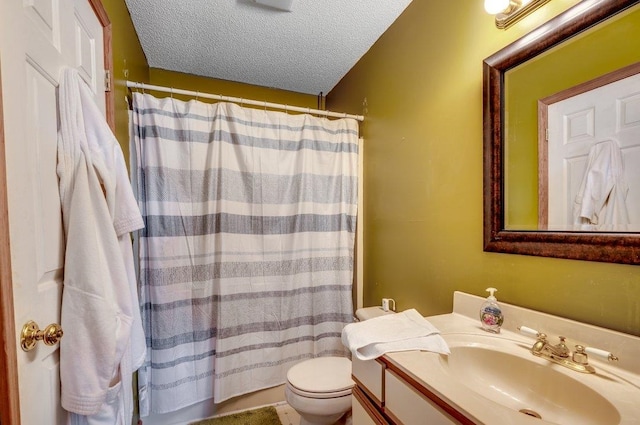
{"x": 495, "y": 6}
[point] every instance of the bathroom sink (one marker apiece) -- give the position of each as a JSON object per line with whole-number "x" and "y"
{"x": 505, "y": 372}
{"x": 495, "y": 379}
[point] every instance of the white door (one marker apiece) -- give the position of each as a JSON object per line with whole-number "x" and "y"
{"x": 574, "y": 126}
{"x": 38, "y": 38}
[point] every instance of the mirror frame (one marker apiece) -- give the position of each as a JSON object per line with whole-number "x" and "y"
{"x": 591, "y": 246}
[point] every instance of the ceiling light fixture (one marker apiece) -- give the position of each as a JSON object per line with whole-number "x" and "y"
{"x": 277, "y": 4}
{"x": 508, "y": 12}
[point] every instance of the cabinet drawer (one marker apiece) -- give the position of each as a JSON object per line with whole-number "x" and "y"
{"x": 405, "y": 405}
{"x": 363, "y": 411}
{"x": 369, "y": 375}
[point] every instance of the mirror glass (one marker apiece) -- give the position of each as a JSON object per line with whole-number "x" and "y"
{"x": 572, "y": 139}
{"x": 550, "y": 155}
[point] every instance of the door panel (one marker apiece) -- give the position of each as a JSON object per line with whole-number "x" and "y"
{"x": 89, "y": 50}
{"x": 47, "y": 264}
{"x": 38, "y": 38}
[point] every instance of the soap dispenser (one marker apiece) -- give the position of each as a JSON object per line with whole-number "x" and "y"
{"x": 491, "y": 314}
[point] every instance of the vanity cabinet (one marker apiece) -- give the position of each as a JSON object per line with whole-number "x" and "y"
{"x": 386, "y": 395}
{"x": 363, "y": 412}
{"x": 404, "y": 404}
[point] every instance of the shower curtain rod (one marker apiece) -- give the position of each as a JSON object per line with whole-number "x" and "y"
{"x": 241, "y": 101}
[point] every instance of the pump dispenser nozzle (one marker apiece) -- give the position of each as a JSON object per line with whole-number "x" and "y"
{"x": 491, "y": 291}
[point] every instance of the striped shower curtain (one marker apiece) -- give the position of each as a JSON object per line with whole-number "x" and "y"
{"x": 246, "y": 260}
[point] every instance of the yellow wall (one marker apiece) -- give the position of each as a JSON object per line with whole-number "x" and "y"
{"x": 423, "y": 166}
{"x": 129, "y": 63}
{"x": 423, "y": 176}
{"x": 165, "y": 78}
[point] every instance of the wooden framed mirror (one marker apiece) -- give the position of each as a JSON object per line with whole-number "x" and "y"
{"x": 503, "y": 128}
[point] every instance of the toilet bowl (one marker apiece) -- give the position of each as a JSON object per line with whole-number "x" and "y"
{"x": 320, "y": 389}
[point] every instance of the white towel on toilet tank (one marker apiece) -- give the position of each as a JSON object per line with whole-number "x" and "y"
{"x": 394, "y": 332}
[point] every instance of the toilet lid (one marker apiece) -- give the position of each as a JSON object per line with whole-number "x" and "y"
{"x": 321, "y": 375}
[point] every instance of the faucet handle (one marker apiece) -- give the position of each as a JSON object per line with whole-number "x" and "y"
{"x": 579, "y": 356}
{"x": 606, "y": 355}
{"x": 529, "y": 331}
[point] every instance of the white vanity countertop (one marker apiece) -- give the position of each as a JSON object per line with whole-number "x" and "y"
{"x": 618, "y": 383}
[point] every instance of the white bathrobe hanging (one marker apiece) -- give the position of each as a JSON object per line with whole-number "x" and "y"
{"x": 601, "y": 200}
{"x": 103, "y": 342}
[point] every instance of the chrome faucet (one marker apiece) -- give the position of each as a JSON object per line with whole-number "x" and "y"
{"x": 562, "y": 355}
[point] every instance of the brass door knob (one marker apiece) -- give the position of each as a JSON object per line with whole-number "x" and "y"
{"x": 31, "y": 334}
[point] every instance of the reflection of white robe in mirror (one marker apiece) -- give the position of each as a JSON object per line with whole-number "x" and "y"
{"x": 601, "y": 200}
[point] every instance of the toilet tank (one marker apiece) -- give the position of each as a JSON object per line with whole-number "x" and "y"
{"x": 367, "y": 313}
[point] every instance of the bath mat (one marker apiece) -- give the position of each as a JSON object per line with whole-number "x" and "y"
{"x": 262, "y": 416}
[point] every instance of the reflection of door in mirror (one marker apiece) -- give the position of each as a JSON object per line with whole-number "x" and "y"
{"x": 576, "y": 120}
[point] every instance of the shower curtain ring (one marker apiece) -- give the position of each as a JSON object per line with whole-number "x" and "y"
{"x": 265, "y": 106}
{"x": 197, "y": 94}
{"x": 171, "y": 92}
{"x": 241, "y": 101}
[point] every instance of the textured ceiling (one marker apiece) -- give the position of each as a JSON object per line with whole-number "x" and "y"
{"x": 307, "y": 50}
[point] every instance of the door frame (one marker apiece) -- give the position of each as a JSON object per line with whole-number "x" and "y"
{"x": 9, "y": 390}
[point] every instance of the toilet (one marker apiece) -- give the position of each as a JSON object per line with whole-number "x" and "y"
{"x": 320, "y": 389}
